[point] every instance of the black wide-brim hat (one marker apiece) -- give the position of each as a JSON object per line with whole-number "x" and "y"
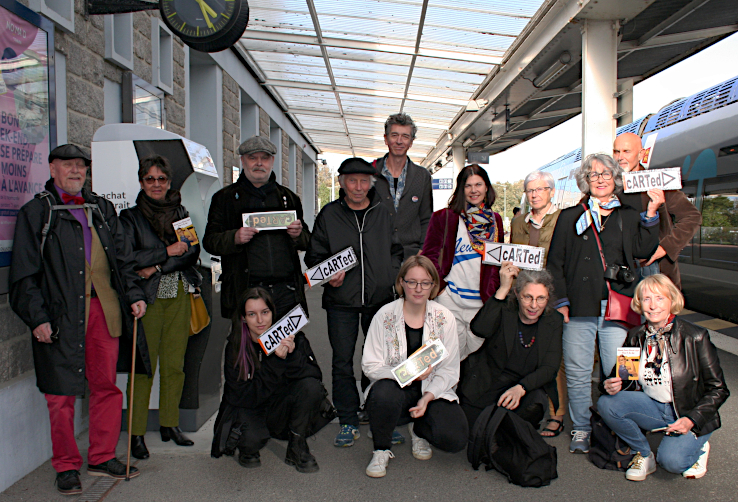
{"x": 66, "y": 152}
{"x": 356, "y": 165}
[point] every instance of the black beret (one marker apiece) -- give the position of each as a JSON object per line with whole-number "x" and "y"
{"x": 66, "y": 152}
{"x": 356, "y": 165}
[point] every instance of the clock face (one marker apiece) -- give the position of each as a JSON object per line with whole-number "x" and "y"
{"x": 199, "y": 19}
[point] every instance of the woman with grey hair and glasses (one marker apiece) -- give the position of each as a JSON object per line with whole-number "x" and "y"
{"x": 536, "y": 229}
{"x": 592, "y": 253}
{"x": 517, "y": 364}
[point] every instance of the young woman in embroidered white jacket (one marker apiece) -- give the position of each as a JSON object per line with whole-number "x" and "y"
{"x": 429, "y": 404}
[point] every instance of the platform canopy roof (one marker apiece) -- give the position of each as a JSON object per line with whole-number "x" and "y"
{"x": 338, "y": 68}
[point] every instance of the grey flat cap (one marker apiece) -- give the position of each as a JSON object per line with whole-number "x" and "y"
{"x": 66, "y": 152}
{"x": 257, "y": 144}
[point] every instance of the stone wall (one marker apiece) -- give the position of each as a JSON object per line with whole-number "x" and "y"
{"x": 285, "y": 159}
{"x": 86, "y": 72}
{"x": 298, "y": 174}
{"x": 231, "y": 126}
{"x": 264, "y": 123}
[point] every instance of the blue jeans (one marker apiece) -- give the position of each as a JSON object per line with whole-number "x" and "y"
{"x": 651, "y": 269}
{"x": 343, "y": 331}
{"x": 627, "y": 412}
{"x": 579, "y": 346}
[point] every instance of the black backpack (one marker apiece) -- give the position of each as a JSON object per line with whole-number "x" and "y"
{"x": 502, "y": 440}
{"x": 606, "y": 449}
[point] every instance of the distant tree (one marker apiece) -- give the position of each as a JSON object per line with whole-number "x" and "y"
{"x": 324, "y": 184}
{"x": 719, "y": 212}
{"x": 514, "y": 194}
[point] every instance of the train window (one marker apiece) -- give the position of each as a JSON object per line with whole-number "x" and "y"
{"x": 719, "y": 232}
{"x": 728, "y": 150}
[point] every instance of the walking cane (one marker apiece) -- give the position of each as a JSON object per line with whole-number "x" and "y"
{"x": 130, "y": 402}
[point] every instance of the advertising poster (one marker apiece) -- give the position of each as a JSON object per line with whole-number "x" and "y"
{"x": 24, "y": 120}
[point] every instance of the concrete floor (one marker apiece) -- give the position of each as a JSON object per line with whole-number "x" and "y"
{"x": 189, "y": 474}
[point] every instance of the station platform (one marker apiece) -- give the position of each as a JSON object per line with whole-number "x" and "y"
{"x": 183, "y": 474}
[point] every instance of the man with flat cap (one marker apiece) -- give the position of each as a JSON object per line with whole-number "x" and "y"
{"x": 360, "y": 220}
{"x": 249, "y": 256}
{"x": 72, "y": 282}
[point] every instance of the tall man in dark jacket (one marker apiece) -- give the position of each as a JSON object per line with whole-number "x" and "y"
{"x": 250, "y": 257}
{"x": 75, "y": 289}
{"x": 679, "y": 220}
{"x": 357, "y": 219}
{"x": 404, "y": 187}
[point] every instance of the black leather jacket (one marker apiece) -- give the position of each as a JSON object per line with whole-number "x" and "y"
{"x": 149, "y": 250}
{"x": 698, "y": 386}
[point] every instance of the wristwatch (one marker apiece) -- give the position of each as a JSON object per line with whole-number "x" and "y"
{"x": 158, "y": 267}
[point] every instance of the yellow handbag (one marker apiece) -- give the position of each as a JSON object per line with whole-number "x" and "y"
{"x": 199, "y": 317}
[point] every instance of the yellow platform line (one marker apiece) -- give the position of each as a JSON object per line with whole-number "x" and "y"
{"x": 716, "y": 324}
{"x": 686, "y": 312}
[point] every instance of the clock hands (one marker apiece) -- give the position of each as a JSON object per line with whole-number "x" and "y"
{"x": 206, "y": 9}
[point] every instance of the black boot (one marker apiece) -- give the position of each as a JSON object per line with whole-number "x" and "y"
{"x": 298, "y": 454}
{"x": 249, "y": 460}
{"x": 175, "y": 433}
{"x": 138, "y": 447}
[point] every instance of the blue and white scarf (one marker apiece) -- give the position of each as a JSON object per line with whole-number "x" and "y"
{"x": 396, "y": 194}
{"x": 594, "y": 215}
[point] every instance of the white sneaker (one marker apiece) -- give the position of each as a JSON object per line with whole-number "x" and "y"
{"x": 421, "y": 447}
{"x": 640, "y": 467}
{"x": 377, "y": 468}
{"x": 699, "y": 468}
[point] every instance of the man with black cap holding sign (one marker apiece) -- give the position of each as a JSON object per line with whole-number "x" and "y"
{"x": 357, "y": 219}
{"x": 72, "y": 282}
{"x": 253, "y": 257}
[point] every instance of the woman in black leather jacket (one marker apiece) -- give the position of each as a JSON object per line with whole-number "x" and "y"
{"x": 167, "y": 272}
{"x": 679, "y": 389}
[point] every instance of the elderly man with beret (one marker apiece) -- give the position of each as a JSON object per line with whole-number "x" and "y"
{"x": 253, "y": 257}
{"x": 72, "y": 282}
{"x": 360, "y": 220}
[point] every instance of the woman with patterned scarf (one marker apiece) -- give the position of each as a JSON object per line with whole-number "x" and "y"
{"x": 167, "y": 270}
{"x": 583, "y": 287}
{"x": 679, "y": 389}
{"x": 455, "y": 244}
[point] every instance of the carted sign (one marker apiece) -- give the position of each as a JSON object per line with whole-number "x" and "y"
{"x": 290, "y": 324}
{"x": 663, "y": 179}
{"x": 323, "y": 271}
{"x": 521, "y": 256}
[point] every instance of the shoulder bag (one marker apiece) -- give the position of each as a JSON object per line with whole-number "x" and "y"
{"x": 618, "y": 305}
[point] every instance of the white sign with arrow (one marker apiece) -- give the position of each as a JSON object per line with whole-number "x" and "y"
{"x": 521, "y": 256}
{"x": 323, "y": 271}
{"x": 643, "y": 181}
{"x": 290, "y": 324}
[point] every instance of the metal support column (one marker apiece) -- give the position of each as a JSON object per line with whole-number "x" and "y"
{"x": 625, "y": 102}
{"x": 459, "y": 153}
{"x": 599, "y": 85}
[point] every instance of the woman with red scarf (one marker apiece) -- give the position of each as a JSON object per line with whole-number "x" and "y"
{"x": 455, "y": 244}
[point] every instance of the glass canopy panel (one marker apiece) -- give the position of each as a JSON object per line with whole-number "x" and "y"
{"x": 453, "y": 65}
{"x": 370, "y": 46}
{"x": 331, "y": 139}
{"x": 316, "y": 122}
{"x": 306, "y": 98}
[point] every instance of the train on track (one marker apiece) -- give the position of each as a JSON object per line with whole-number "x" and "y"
{"x": 699, "y": 134}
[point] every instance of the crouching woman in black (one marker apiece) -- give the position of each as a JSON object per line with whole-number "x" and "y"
{"x": 516, "y": 367}
{"x": 275, "y": 396}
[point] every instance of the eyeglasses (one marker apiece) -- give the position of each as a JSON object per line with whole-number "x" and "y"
{"x": 527, "y": 299}
{"x": 414, "y": 284}
{"x": 538, "y": 190}
{"x": 605, "y": 175}
{"x": 150, "y": 180}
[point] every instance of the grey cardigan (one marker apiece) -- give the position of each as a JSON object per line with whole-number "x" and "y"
{"x": 410, "y": 221}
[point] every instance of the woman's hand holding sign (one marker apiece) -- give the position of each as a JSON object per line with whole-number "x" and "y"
{"x": 286, "y": 346}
